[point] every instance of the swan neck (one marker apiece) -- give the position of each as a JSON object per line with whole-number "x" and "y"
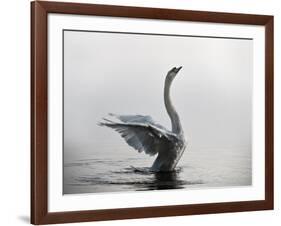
{"x": 175, "y": 120}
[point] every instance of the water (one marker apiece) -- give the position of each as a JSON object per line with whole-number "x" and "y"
{"x": 110, "y": 172}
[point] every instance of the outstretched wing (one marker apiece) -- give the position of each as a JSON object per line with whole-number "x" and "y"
{"x": 141, "y": 133}
{"x": 146, "y": 119}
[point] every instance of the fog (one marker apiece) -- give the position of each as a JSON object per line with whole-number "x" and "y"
{"x": 125, "y": 73}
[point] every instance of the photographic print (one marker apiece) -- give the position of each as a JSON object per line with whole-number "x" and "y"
{"x": 155, "y": 112}
{"x": 143, "y": 112}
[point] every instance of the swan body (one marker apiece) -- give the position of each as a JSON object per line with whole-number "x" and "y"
{"x": 145, "y": 135}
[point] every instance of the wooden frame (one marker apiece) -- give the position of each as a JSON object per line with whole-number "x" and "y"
{"x": 39, "y": 109}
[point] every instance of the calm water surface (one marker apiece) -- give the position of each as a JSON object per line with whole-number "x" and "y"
{"x": 112, "y": 172}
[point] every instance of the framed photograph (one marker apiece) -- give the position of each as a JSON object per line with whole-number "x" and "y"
{"x": 149, "y": 112}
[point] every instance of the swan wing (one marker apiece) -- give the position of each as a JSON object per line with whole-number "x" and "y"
{"x": 146, "y": 119}
{"x": 143, "y": 137}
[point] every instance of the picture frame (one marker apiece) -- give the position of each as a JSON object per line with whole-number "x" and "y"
{"x": 40, "y": 103}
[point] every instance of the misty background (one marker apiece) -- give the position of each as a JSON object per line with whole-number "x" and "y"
{"x": 125, "y": 73}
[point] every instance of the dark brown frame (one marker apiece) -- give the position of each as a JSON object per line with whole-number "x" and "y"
{"x": 39, "y": 109}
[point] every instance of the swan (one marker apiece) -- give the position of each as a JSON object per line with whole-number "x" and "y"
{"x": 145, "y": 135}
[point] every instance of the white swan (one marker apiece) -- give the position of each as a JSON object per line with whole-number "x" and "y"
{"x": 143, "y": 134}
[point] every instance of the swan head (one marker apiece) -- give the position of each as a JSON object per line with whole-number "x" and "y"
{"x": 172, "y": 73}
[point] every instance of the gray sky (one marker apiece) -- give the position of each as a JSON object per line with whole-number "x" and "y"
{"x": 125, "y": 73}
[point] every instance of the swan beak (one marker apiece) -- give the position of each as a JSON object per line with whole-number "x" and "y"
{"x": 178, "y": 69}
